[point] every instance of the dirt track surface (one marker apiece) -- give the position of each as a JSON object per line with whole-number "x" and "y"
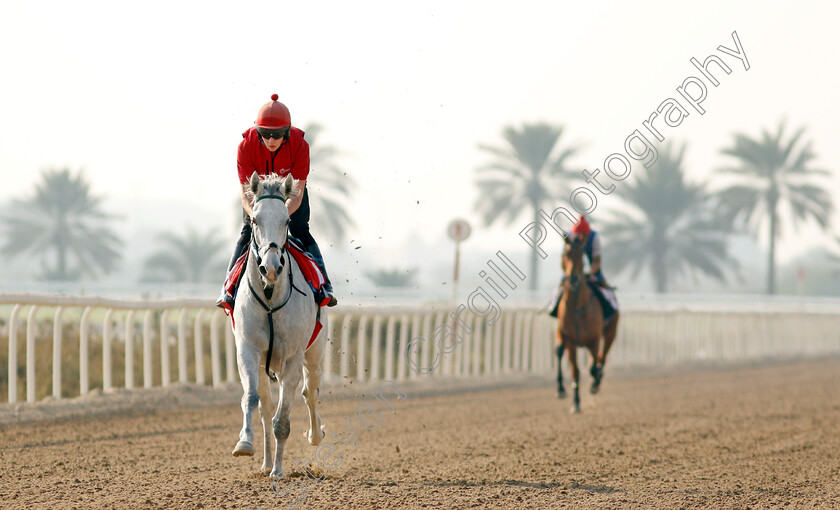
{"x": 739, "y": 437}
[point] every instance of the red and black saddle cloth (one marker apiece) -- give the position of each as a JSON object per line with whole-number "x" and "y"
{"x": 311, "y": 273}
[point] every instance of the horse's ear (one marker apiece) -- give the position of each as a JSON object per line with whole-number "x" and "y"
{"x": 566, "y": 239}
{"x": 255, "y": 182}
{"x": 288, "y": 186}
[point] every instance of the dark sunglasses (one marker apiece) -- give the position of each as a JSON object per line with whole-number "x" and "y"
{"x": 277, "y": 134}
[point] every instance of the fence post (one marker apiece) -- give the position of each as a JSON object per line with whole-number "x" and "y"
{"x": 361, "y": 348}
{"x": 147, "y": 349}
{"x": 426, "y": 346}
{"x": 401, "y": 363}
{"x": 106, "y": 351}
{"x": 416, "y": 324}
{"x": 58, "y": 331}
{"x": 488, "y": 345}
{"x": 479, "y": 326}
{"x": 164, "y": 349}
{"x": 13, "y": 329}
{"x": 497, "y": 343}
{"x": 375, "y": 347}
{"x": 389, "y": 347}
{"x": 215, "y": 361}
{"x": 129, "y": 349}
{"x": 329, "y": 347}
{"x": 84, "y": 357}
{"x": 440, "y": 320}
{"x": 182, "y": 346}
{"x": 345, "y": 347}
{"x": 507, "y": 353}
{"x": 30, "y": 355}
{"x": 527, "y": 337}
{"x": 466, "y": 348}
{"x": 198, "y": 340}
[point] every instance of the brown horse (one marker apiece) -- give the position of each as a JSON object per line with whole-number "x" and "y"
{"x": 580, "y": 322}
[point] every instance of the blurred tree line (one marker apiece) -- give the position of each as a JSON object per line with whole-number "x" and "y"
{"x": 670, "y": 225}
{"x": 63, "y": 227}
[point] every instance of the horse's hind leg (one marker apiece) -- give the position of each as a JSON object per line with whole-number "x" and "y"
{"x": 266, "y": 406}
{"x": 311, "y": 389}
{"x": 281, "y": 423}
{"x": 248, "y": 362}
{"x": 561, "y": 391}
{"x": 610, "y": 332}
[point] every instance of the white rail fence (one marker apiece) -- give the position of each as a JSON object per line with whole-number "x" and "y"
{"x": 124, "y": 337}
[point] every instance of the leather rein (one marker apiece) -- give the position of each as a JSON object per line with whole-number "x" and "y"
{"x": 269, "y": 290}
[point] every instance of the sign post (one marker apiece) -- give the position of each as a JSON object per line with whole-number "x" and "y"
{"x": 459, "y": 230}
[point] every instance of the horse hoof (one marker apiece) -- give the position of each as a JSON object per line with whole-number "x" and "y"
{"x": 561, "y": 393}
{"x": 265, "y": 470}
{"x": 575, "y": 410}
{"x": 311, "y": 437}
{"x": 243, "y": 448}
{"x": 594, "y": 389}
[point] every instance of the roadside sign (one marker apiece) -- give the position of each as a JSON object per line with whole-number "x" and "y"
{"x": 458, "y": 230}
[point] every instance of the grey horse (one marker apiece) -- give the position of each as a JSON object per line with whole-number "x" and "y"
{"x": 274, "y": 318}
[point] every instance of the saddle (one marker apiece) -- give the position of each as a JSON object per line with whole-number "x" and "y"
{"x": 311, "y": 273}
{"x": 603, "y": 292}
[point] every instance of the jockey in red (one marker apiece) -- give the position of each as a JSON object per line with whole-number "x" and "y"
{"x": 592, "y": 249}
{"x": 273, "y": 146}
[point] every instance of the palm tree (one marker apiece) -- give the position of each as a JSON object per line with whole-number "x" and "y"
{"x": 193, "y": 257}
{"x": 63, "y": 226}
{"x": 332, "y": 188}
{"x": 672, "y": 228}
{"x": 526, "y": 174}
{"x": 772, "y": 177}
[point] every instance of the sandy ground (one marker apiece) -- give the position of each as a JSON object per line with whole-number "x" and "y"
{"x": 736, "y": 437}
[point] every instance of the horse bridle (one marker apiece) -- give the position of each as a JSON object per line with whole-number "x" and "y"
{"x": 256, "y": 248}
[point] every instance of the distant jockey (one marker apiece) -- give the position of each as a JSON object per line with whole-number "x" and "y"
{"x": 274, "y": 146}
{"x": 592, "y": 249}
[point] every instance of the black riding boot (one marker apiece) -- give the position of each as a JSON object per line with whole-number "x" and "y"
{"x": 319, "y": 259}
{"x": 606, "y": 307}
{"x": 241, "y": 246}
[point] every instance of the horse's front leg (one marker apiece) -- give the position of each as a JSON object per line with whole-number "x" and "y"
{"x": 248, "y": 361}
{"x": 266, "y": 406}
{"x": 559, "y": 349}
{"x": 311, "y": 388}
{"x": 596, "y": 370}
{"x": 571, "y": 350}
{"x": 291, "y": 378}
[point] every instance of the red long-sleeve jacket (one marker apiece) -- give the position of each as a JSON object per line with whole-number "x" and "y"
{"x": 292, "y": 157}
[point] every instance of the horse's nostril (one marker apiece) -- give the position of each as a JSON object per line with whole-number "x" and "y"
{"x": 262, "y": 270}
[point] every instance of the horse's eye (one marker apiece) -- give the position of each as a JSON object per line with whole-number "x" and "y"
{"x": 287, "y": 222}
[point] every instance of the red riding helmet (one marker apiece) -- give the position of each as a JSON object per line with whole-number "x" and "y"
{"x": 273, "y": 115}
{"x": 581, "y": 227}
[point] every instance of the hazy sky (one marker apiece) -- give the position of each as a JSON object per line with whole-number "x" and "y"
{"x": 150, "y": 98}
